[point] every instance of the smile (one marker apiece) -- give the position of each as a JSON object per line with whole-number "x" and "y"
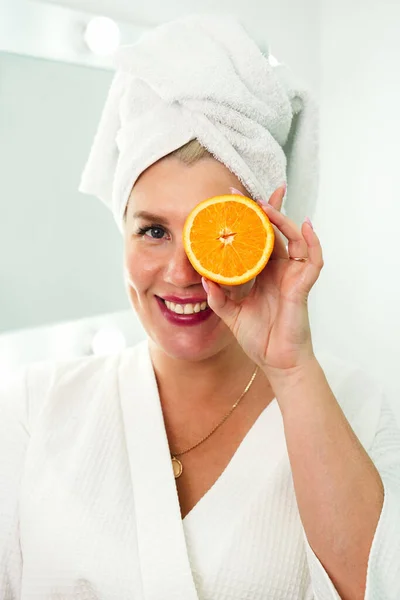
{"x": 186, "y": 309}
{"x": 184, "y": 313}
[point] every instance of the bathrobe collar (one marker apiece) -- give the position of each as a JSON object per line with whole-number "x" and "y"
{"x": 164, "y": 561}
{"x": 163, "y": 538}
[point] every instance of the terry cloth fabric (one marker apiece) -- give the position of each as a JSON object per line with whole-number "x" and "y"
{"x": 89, "y": 508}
{"x": 203, "y": 77}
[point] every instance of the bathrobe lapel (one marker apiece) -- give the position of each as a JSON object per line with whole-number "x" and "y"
{"x": 259, "y": 465}
{"x": 164, "y": 560}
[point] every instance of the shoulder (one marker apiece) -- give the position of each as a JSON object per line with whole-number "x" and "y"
{"x": 28, "y": 389}
{"x": 359, "y": 393}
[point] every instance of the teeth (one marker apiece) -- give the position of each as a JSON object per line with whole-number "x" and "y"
{"x": 186, "y": 309}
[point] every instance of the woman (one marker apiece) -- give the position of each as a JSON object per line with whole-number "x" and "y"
{"x": 218, "y": 459}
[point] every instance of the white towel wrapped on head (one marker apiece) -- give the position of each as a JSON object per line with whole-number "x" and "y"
{"x": 203, "y": 77}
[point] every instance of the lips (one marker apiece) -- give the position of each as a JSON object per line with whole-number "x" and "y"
{"x": 183, "y": 319}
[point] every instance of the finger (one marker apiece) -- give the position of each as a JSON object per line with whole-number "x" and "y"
{"x": 276, "y": 200}
{"x": 235, "y": 191}
{"x": 315, "y": 256}
{"x": 297, "y": 245}
{"x": 219, "y": 302}
{"x": 238, "y": 292}
{"x": 279, "y": 250}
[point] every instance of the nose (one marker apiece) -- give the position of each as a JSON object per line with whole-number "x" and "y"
{"x": 179, "y": 271}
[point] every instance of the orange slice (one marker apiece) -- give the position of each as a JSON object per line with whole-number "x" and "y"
{"x": 228, "y": 239}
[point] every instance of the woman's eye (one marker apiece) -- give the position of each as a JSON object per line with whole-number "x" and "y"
{"x": 154, "y": 232}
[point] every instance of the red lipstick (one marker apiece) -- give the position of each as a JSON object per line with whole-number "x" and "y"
{"x": 183, "y": 320}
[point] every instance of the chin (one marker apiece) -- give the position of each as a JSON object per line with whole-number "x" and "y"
{"x": 191, "y": 346}
{"x": 181, "y": 340}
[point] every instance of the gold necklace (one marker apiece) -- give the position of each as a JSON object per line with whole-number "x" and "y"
{"x": 176, "y": 463}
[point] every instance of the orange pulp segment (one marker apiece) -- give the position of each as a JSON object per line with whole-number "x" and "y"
{"x": 228, "y": 239}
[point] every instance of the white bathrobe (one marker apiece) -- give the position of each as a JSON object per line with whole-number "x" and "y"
{"x": 89, "y": 508}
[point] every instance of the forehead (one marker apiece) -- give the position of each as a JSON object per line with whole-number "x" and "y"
{"x": 172, "y": 188}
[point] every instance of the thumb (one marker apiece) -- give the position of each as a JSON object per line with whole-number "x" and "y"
{"x": 219, "y": 302}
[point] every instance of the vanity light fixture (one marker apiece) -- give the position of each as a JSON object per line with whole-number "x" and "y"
{"x": 102, "y": 36}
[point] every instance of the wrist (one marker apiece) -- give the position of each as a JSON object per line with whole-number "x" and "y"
{"x": 294, "y": 367}
{"x": 288, "y": 383}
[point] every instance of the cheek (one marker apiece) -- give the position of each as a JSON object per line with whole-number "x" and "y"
{"x": 141, "y": 267}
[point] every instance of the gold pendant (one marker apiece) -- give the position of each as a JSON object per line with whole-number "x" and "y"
{"x": 177, "y": 467}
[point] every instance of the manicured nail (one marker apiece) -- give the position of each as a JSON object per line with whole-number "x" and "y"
{"x": 205, "y": 284}
{"x": 235, "y": 191}
{"x": 307, "y": 220}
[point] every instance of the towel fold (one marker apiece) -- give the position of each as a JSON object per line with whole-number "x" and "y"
{"x": 203, "y": 77}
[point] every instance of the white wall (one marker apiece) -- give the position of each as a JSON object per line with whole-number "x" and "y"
{"x": 60, "y": 251}
{"x": 358, "y": 298}
{"x": 290, "y": 28}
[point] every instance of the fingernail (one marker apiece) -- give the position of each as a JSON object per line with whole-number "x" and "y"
{"x": 235, "y": 191}
{"x": 285, "y": 187}
{"x": 307, "y": 220}
{"x": 262, "y": 202}
{"x": 205, "y": 284}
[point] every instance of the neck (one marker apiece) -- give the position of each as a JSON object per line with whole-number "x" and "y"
{"x": 207, "y": 385}
{"x": 195, "y": 395}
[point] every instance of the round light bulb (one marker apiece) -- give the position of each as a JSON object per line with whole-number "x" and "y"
{"x": 102, "y": 36}
{"x": 108, "y": 340}
{"x": 274, "y": 62}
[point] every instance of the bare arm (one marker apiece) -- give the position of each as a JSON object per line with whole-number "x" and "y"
{"x": 338, "y": 488}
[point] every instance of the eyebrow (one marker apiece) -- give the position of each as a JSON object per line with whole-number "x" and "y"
{"x": 143, "y": 214}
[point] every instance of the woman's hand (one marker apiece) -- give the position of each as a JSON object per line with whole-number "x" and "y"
{"x": 269, "y": 315}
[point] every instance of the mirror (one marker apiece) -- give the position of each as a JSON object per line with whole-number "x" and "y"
{"x": 60, "y": 251}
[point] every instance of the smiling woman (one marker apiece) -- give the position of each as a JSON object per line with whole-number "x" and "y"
{"x": 157, "y": 267}
{"x": 221, "y": 457}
